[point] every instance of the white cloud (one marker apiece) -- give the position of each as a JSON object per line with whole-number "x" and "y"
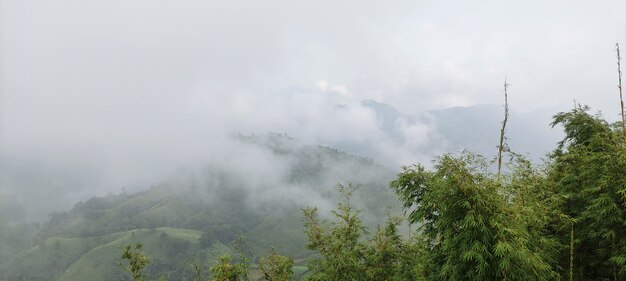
{"x": 321, "y": 85}
{"x": 140, "y": 87}
{"x": 342, "y": 90}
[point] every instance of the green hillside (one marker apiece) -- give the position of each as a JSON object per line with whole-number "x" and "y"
{"x": 97, "y": 258}
{"x": 195, "y": 216}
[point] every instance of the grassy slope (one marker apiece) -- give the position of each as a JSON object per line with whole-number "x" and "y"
{"x": 97, "y": 258}
{"x": 101, "y": 263}
{"x": 85, "y": 243}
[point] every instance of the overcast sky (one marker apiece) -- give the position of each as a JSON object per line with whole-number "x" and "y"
{"x": 133, "y": 83}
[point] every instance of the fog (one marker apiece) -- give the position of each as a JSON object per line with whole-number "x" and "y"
{"x": 105, "y": 95}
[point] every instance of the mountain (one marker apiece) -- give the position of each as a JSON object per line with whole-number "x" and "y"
{"x": 256, "y": 191}
{"x": 477, "y": 129}
{"x": 473, "y": 128}
{"x": 195, "y": 215}
{"x": 31, "y": 189}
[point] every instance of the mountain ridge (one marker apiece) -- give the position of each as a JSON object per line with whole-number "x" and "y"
{"x": 212, "y": 207}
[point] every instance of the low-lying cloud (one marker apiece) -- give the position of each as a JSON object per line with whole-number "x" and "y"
{"x": 119, "y": 93}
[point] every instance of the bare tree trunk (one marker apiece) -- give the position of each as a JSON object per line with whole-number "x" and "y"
{"x": 619, "y": 86}
{"x": 571, "y": 254}
{"x": 503, "y": 129}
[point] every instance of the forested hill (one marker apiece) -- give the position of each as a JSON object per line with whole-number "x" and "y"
{"x": 473, "y": 128}
{"x": 195, "y": 215}
{"x": 256, "y": 192}
{"x": 31, "y": 188}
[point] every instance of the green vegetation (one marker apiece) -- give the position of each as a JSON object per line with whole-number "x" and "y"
{"x": 473, "y": 229}
{"x": 276, "y": 267}
{"x": 588, "y": 170}
{"x": 136, "y": 260}
{"x": 224, "y": 270}
{"x": 192, "y": 219}
{"x": 346, "y": 254}
{"x": 465, "y": 220}
{"x": 566, "y": 220}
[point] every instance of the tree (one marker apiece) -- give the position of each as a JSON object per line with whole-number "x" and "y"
{"x": 536, "y": 204}
{"x": 388, "y": 256}
{"x": 340, "y": 246}
{"x": 470, "y": 227}
{"x": 224, "y": 270}
{"x": 137, "y": 261}
{"x": 588, "y": 167}
{"x": 619, "y": 87}
{"x": 276, "y": 267}
{"x": 502, "y": 146}
{"x": 346, "y": 254}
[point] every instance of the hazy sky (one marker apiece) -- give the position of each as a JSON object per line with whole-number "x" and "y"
{"x": 132, "y": 85}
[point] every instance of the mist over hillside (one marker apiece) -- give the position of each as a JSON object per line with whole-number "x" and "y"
{"x": 188, "y": 124}
{"x": 473, "y": 128}
{"x": 33, "y": 187}
{"x": 257, "y": 194}
{"x": 121, "y": 95}
{"x": 246, "y": 186}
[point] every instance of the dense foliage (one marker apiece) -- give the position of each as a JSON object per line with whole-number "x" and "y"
{"x": 135, "y": 261}
{"x": 472, "y": 230}
{"x": 589, "y": 171}
{"x": 193, "y": 217}
{"x": 564, "y": 220}
{"x": 346, "y": 254}
{"x": 276, "y": 267}
{"x": 225, "y": 270}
